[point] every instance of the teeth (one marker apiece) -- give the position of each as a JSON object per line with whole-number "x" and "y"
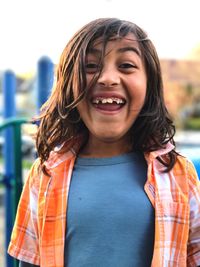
{"x": 96, "y": 101}
{"x": 108, "y": 100}
{"x": 104, "y": 101}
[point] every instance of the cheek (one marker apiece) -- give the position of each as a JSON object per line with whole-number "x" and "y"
{"x": 138, "y": 90}
{"x": 83, "y": 109}
{"x": 89, "y": 79}
{"x": 80, "y": 109}
{"x": 137, "y": 100}
{"x": 137, "y": 96}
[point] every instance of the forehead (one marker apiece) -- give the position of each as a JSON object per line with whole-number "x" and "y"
{"x": 129, "y": 40}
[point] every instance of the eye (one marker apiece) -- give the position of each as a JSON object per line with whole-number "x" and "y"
{"x": 127, "y": 66}
{"x": 92, "y": 67}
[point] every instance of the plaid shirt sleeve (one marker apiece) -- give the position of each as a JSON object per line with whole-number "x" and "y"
{"x": 193, "y": 258}
{"x": 24, "y": 244}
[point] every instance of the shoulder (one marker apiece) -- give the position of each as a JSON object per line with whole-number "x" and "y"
{"x": 56, "y": 163}
{"x": 185, "y": 165}
{"x": 185, "y": 174}
{"x": 59, "y": 158}
{"x": 32, "y": 179}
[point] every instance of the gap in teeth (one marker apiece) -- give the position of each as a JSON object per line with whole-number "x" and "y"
{"x": 109, "y": 100}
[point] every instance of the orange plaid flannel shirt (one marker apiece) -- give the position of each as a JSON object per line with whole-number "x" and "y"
{"x": 39, "y": 231}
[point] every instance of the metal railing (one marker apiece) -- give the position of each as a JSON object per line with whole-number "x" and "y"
{"x": 11, "y": 179}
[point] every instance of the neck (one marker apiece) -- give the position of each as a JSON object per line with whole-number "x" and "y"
{"x": 98, "y": 149}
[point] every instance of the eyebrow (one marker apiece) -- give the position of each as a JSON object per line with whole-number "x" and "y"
{"x": 93, "y": 50}
{"x": 130, "y": 48}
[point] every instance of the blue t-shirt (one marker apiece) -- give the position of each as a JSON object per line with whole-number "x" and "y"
{"x": 110, "y": 220}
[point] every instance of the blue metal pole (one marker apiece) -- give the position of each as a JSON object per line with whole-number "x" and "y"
{"x": 9, "y": 89}
{"x": 45, "y": 75}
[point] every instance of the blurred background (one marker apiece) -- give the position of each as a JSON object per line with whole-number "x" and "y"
{"x": 33, "y": 35}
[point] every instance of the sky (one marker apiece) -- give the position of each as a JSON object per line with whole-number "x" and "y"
{"x": 30, "y": 29}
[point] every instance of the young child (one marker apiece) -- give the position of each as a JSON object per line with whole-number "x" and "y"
{"x": 108, "y": 188}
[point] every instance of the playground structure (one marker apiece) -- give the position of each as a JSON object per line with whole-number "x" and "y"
{"x": 11, "y": 179}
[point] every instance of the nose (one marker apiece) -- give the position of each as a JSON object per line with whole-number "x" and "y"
{"x": 109, "y": 77}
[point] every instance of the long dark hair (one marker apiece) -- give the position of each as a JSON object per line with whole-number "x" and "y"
{"x": 59, "y": 119}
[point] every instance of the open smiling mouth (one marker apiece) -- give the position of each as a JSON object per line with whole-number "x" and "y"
{"x": 108, "y": 103}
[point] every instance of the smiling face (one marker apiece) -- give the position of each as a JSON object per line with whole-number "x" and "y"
{"x": 112, "y": 105}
